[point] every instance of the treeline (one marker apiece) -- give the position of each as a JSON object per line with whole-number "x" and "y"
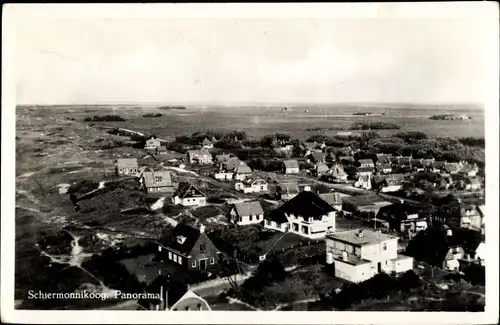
{"x": 166, "y": 108}
{"x": 100, "y": 118}
{"x": 152, "y": 115}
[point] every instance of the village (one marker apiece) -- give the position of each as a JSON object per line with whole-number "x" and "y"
{"x": 322, "y": 206}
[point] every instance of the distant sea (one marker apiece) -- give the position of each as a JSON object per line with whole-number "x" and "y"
{"x": 258, "y": 120}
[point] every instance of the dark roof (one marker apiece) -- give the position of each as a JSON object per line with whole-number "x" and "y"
{"x": 347, "y": 158}
{"x": 276, "y": 215}
{"x": 317, "y": 156}
{"x": 307, "y": 204}
{"x": 191, "y": 234}
{"x": 365, "y": 169}
{"x": 231, "y": 163}
{"x": 184, "y": 189}
{"x": 161, "y": 148}
{"x": 222, "y": 158}
{"x": 404, "y": 160}
{"x": 398, "y": 210}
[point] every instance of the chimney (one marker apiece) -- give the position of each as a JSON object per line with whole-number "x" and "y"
{"x": 344, "y": 256}
{"x": 449, "y": 233}
{"x": 459, "y": 200}
{"x": 202, "y": 229}
{"x": 360, "y": 233}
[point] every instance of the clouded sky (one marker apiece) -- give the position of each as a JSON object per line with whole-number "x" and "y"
{"x": 62, "y": 61}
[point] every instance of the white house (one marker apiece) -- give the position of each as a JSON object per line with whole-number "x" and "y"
{"x": 246, "y": 213}
{"x": 223, "y": 175}
{"x": 152, "y": 144}
{"x": 242, "y": 172}
{"x": 358, "y": 255}
{"x": 126, "y": 166}
{"x": 251, "y": 186}
{"x": 188, "y": 195}
{"x": 290, "y": 167}
{"x": 366, "y": 163}
{"x": 207, "y": 144}
{"x": 307, "y": 215}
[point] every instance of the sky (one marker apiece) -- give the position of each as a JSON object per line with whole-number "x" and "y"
{"x": 96, "y": 60}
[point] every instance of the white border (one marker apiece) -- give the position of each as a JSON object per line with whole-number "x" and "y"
{"x": 486, "y": 11}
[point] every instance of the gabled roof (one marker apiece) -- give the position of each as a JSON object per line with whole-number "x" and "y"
{"x": 248, "y": 208}
{"x": 277, "y": 216}
{"x": 291, "y": 163}
{"x": 365, "y": 162}
{"x": 383, "y": 158}
{"x": 398, "y": 210}
{"x": 126, "y": 162}
{"x": 383, "y": 166}
{"x": 243, "y": 169}
{"x": 321, "y": 167}
{"x": 452, "y": 167}
{"x": 331, "y": 198}
{"x": 438, "y": 164}
{"x": 307, "y": 204}
{"x": 186, "y": 190}
{"x": 257, "y": 181}
{"x": 289, "y": 188}
{"x": 191, "y": 234}
{"x": 467, "y": 168}
{"x": 191, "y": 295}
{"x": 149, "y": 178}
{"x": 338, "y": 171}
{"x": 206, "y": 142}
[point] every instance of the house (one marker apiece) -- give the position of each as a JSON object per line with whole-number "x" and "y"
{"x": 207, "y": 144}
{"x": 388, "y": 183}
{"x": 346, "y": 160}
{"x": 334, "y": 199}
{"x": 383, "y": 158}
{"x": 308, "y": 215}
{"x": 188, "y": 195}
{"x": 126, "y": 166}
{"x": 364, "y": 181}
{"x": 223, "y": 175}
{"x": 242, "y": 172}
{"x": 252, "y": 186}
{"x": 161, "y": 150}
{"x": 383, "y": 168}
{"x": 405, "y": 162}
{"x": 286, "y": 191}
{"x": 437, "y": 166}
{"x": 190, "y": 248}
{"x": 472, "y": 184}
{"x": 320, "y": 169}
{"x": 366, "y": 163}
{"x": 403, "y": 217}
{"x": 468, "y": 170}
{"x": 417, "y": 165}
{"x": 157, "y": 182}
{"x": 152, "y": 144}
{"x": 246, "y": 213}
{"x": 358, "y": 255}
{"x": 336, "y": 174}
{"x": 202, "y": 156}
{"x": 316, "y": 157}
{"x": 445, "y": 181}
{"x": 290, "y": 167}
{"x": 452, "y": 168}
{"x": 367, "y": 205}
{"x": 276, "y": 220}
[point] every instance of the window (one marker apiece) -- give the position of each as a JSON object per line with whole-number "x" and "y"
{"x": 169, "y": 255}
{"x": 212, "y": 260}
{"x": 203, "y": 248}
{"x": 179, "y": 260}
{"x": 262, "y": 188}
{"x": 174, "y": 258}
{"x": 268, "y": 222}
{"x": 187, "y": 308}
{"x": 384, "y": 246}
{"x": 250, "y": 217}
{"x": 194, "y": 264}
{"x": 121, "y": 169}
{"x": 198, "y": 307}
{"x": 158, "y": 179}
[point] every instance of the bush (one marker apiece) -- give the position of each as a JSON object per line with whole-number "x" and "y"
{"x": 99, "y": 118}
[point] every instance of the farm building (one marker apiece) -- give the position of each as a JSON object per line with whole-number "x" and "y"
{"x": 246, "y": 213}
{"x": 188, "y": 195}
{"x": 357, "y": 255}
{"x": 126, "y": 166}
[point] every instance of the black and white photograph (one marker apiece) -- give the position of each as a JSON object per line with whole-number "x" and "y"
{"x": 250, "y": 158}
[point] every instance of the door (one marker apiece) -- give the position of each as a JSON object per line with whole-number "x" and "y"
{"x": 203, "y": 264}
{"x": 379, "y": 267}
